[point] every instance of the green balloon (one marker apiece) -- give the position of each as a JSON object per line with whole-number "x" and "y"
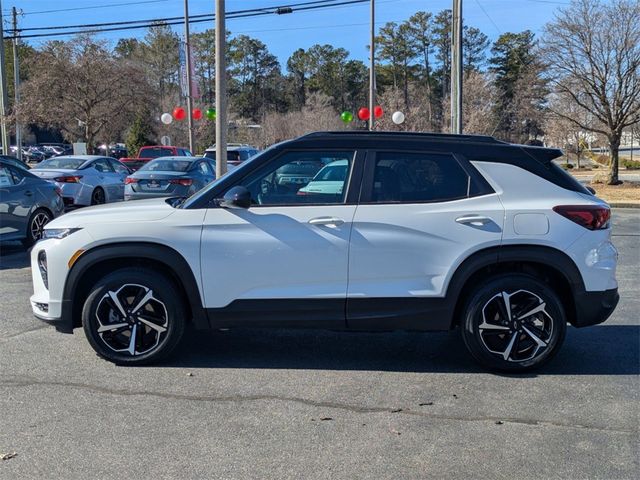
{"x": 211, "y": 113}
{"x": 346, "y": 117}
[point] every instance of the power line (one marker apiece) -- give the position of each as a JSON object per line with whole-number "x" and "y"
{"x": 167, "y": 19}
{"x": 137, "y": 24}
{"x": 92, "y": 7}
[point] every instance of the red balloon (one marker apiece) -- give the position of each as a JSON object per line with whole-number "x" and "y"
{"x": 179, "y": 113}
{"x": 363, "y": 113}
{"x": 377, "y": 111}
{"x": 197, "y": 113}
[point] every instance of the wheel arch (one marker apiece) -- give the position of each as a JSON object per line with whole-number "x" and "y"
{"x": 552, "y": 266}
{"x": 100, "y": 260}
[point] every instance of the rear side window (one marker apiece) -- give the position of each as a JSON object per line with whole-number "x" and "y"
{"x": 6, "y": 179}
{"x": 401, "y": 177}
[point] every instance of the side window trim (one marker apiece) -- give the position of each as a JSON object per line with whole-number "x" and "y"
{"x": 366, "y": 193}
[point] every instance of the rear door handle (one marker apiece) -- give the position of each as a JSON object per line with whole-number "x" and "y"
{"x": 327, "y": 221}
{"x": 28, "y": 193}
{"x": 476, "y": 220}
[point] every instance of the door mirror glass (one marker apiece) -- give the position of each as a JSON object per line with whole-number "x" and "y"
{"x": 236, "y": 197}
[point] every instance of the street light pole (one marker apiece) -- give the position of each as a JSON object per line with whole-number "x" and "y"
{"x": 6, "y": 148}
{"x": 16, "y": 83}
{"x": 372, "y": 68}
{"x": 221, "y": 91}
{"x": 187, "y": 53}
{"x": 456, "y": 68}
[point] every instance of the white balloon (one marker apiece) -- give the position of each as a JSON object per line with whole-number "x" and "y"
{"x": 166, "y": 118}
{"x": 397, "y": 117}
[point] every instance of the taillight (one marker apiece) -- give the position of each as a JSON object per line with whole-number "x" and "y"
{"x": 185, "y": 182}
{"x": 592, "y": 217}
{"x": 129, "y": 180}
{"x": 68, "y": 179}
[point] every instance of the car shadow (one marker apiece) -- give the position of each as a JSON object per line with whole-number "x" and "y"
{"x": 605, "y": 349}
{"x": 13, "y": 255}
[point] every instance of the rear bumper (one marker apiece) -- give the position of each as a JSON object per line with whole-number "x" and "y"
{"x": 595, "y": 307}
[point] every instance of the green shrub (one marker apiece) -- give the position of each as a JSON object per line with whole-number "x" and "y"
{"x": 631, "y": 164}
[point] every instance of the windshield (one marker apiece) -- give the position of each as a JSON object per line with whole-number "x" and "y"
{"x": 155, "y": 152}
{"x": 70, "y": 163}
{"x": 166, "y": 166}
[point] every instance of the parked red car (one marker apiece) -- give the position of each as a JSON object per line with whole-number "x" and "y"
{"x": 147, "y": 154}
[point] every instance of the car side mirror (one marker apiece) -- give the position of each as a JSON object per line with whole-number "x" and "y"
{"x": 591, "y": 190}
{"x": 236, "y": 197}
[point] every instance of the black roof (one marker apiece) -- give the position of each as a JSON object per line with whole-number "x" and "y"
{"x": 475, "y": 147}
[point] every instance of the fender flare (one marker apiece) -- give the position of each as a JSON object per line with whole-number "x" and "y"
{"x": 494, "y": 256}
{"x": 162, "y": 254}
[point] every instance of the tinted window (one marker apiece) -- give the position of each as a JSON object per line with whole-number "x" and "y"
{"x": 119, "y": 168}
{"x": 156, "y": 152}
{"x": 232, "y": 155}
{"x": 70, "y": 163}
{"x": 203, "y": 168}
{"x": 166, "y": 165}
{"x": 5, "y": 177}
{"x": 416, "y": 177}
{"x": 102, "y": 165}
{"x": 288, "y": 179}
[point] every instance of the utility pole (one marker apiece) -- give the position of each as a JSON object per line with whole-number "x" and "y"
{"x": 6, "y": 148}
{"x": 221, "y": 91}
{"x": 456, "y": 68}
{"x": 16, "y": 84}
{"x": 187, "y": 54}
{"x": 372, "y": 70}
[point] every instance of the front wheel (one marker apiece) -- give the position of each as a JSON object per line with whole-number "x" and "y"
{"x": 513, "y": 323}
{"x": 133, "y": 317}
{"x": 35, "y": 226}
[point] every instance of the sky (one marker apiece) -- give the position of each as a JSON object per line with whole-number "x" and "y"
{"x": 345, "y": 26}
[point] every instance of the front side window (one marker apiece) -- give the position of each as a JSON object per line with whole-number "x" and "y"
{"x": 416, "y": 177}
{"x": 6, "y": 178}
{"x": 298, "y": 178}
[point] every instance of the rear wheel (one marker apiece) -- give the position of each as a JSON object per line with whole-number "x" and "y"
{"x": 97, "y": 197}
{"x": 133, "y": 317}
{"x": 513, "y": 323}
{"x": 35, "y": 226}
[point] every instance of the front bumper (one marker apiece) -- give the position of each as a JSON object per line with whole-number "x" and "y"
{"x": 595, "y": 307}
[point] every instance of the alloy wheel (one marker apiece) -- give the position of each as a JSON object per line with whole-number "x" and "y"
{"x": 36, "y": 229}
{"x": 97, "y": 197}
{"x": 515, "y": 326}
{"x": 131, "y": 320}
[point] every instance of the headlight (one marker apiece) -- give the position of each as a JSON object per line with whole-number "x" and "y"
{"x": 58, "y": 233}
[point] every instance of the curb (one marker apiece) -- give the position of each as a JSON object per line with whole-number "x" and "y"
{"x": 623, "y": 205}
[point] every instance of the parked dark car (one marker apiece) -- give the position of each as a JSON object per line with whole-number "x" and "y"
{"x": 27, "y": 204}
{"x": 170, "y": 177}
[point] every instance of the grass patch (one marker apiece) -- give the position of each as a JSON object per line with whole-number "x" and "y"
{"x": 625, "y": 192}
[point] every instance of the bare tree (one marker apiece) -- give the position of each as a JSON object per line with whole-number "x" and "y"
{"x": 79, "y": 88}
{"x": 593, "y": 53}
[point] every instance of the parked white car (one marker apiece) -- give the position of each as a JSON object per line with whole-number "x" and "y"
{"x": 428, "y": 232}
{"x": 85, "y": 179}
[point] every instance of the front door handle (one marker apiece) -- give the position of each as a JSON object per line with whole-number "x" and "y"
{"x": 28, "y": 193}
{"x": 476, "y": 220}
{"x": 327, "y": 221}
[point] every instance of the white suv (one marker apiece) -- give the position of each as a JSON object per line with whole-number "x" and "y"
{"x": 428, "y": 232}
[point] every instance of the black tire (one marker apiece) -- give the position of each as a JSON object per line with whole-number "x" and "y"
{"x": 164, "y": 309}
{"x": 97, "y": 196}
{"x": 487, "y": 328}
{"x": 35, "y": 226}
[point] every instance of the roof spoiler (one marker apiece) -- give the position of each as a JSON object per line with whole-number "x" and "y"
{"x": 542, "y": 154}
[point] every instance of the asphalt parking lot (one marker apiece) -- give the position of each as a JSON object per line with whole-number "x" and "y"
{"x": 309, "y": 404}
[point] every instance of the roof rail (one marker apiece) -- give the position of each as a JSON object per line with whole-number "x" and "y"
{"x": 425, "y": 135}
